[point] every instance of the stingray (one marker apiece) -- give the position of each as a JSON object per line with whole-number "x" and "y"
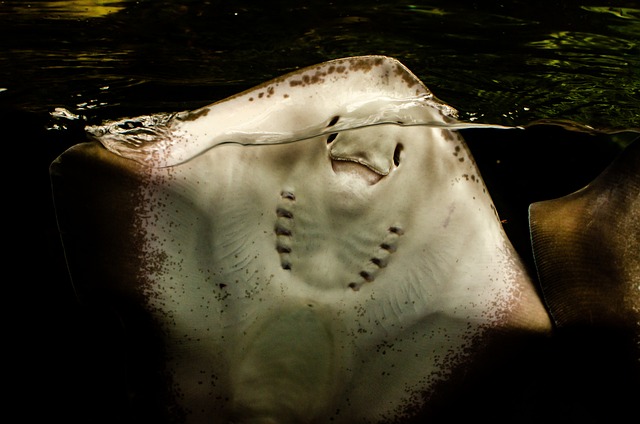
{"x": 587, "y": 250}
{"x": 320, "y": 248}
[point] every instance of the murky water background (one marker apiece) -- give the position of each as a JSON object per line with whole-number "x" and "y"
{"x": 501, "y": 62}
{"x": 508, "y": 63}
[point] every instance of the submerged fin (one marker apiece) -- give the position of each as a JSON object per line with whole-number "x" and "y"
{"x": 587, "y": 249}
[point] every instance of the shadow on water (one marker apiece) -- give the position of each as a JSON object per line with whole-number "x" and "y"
{"x": 508, "y": 63}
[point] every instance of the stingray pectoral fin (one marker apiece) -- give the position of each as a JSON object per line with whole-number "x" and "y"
{"x": 587, "y": 249}
{"x": 95, "y": 193}
{"x": 359, "y": 91}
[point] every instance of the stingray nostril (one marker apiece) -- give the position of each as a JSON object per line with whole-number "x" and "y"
{"x": 396, "y": 154}
{"x": 331, "y": 123}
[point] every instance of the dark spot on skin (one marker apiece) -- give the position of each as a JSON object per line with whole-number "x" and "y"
{"x": 305, "y": 79}
{"x": 222, "y": 285}
{"x": 354, "y": 286}
{"x": 295, "y": 83}
{"x": 260, "y": 95}
{"x": 365, "y": 64}
{"x": 250, "y": 99}
{"x": 270, "y": 91}
{"x": 192, "y": 116}
{"x": 286, "y": 96}
{"x": 461, "y": 159}
{"x": 473, "y": 178}
{"x": 340, "y": 69}
{"x": 318, "y": 77}
{"x": 406, "y": 76}
{"x": 286, "y": 266}
{"x": 331, "y": 69}
{"x": 446, "y": 134}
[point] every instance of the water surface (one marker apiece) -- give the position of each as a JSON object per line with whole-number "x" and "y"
{"x": 508, "y": 63}
{"x": 501, "y": 62}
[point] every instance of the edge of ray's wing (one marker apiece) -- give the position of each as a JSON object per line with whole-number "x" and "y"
{"x": 270, "y": 112}
{"x": 94, "y": 192}
{"x": 587, "y": 249}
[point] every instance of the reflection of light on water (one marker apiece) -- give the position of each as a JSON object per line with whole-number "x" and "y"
{"x": 73, "y": 8}
{"x": 63, "y": 117}
{"x": 583, "y": 40}
{"x": 63, "y": 113}
{"x": 427, "y": 10}
{"x": 620, "y": 12}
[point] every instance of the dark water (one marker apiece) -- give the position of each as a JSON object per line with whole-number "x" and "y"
{"x": 507, "y": 62}
{"x": 501, "y": 62}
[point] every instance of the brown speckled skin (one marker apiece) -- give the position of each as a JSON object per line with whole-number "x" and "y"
{"x": 97, "y": 194}
{"x": 94, "y": 191}
{"x": 402, "y": 291}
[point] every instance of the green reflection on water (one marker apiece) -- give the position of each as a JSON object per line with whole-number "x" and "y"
{"x": 70, "y": 9}
{"x": 620, "y": 12}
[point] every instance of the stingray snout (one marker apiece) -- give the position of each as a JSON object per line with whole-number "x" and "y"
{"x": 367, "y": 153}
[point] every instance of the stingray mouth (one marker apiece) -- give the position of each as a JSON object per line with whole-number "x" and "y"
{"x": 361, "y": 155}
{"x": 351, "y": 168}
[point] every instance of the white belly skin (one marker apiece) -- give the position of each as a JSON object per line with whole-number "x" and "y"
{"x": 349, "y": 305}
